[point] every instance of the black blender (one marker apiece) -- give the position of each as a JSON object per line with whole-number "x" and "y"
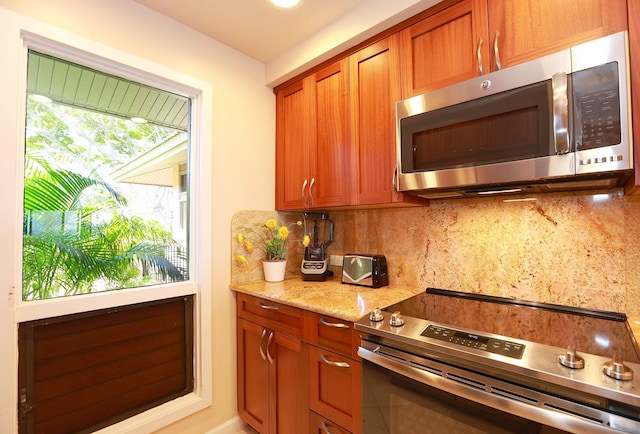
{"x": 315, "y": 265}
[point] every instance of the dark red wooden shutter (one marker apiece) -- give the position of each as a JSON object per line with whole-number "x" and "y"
{"x": 82, "y": 372}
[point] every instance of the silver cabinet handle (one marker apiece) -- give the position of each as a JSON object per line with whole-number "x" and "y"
{"x": 559, "y": 90}
{"x": 324, "y": 428}
{"x": 496, "y": 51}
{"x": 267, "y": 307}
{"x": 333, "y": 324}
{"x": 311, "y": 198}
{"x": 269, "y": 348}
{"x": 330, "y": 363}
{"x": 262, "y": 354}
{"x": 304, "y": 198}
{"x": 479, "y": 55}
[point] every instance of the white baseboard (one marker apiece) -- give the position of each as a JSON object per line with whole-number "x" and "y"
{"x": 231, "y": 426}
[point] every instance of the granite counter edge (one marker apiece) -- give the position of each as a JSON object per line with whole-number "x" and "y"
{"x": 341, "y": 301}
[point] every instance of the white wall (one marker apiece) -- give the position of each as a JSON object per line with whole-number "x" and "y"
{"x": 243, "y": 148}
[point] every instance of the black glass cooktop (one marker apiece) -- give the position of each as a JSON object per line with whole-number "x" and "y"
{"x": 591, "y": 331}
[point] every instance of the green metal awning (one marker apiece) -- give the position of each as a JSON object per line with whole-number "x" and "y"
{"x": 78, "y": 86}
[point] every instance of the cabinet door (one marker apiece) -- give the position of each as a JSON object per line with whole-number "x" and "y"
{"x": 445, "y": 48}
{"x": 374, "y": 90}
{"x": 532, "y": 28}
{"x": 289, "y": 394}
{"x": 292, "y": 147}
{"x": 335, "y": 383}
{"x": 253, "y": 375}
{"x": 273, "y": 386}
{"x": 330, "y": 163}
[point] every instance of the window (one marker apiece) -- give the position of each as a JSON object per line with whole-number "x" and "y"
{"x": 173, "y": 267}
{"x": 101, "y": 188}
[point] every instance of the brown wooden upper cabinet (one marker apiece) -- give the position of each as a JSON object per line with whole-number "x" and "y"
{"x": 335, "y": 128}
{"x": 335, "y": 133}
{"x": 445, "y": 48}
{"x": 375, "y": 88}
{"x": 473, "y": 37}
{"x": 313, "y": 156}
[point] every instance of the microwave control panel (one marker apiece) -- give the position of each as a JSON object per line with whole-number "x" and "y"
{"x": 597, "y": 106}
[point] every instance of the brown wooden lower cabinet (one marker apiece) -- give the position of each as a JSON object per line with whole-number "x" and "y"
{"x": 335, "y": 387}
{"x": 271, "y": 389}
{"x": 298, "y": 372}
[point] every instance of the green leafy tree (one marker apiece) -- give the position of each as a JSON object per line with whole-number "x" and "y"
{"x": 69, "y": 247}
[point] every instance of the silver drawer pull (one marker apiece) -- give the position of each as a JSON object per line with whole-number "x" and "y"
{"x": 333, "y": 324}
{"x": 336, "y": 364}
{"x": 324, "y": 428}
{"x": 267, "y": 307}
{"x": 269, "y": 356}
{"x": 262, "y": 354}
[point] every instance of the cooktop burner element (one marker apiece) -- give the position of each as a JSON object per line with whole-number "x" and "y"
{"x": 556, "y": 358}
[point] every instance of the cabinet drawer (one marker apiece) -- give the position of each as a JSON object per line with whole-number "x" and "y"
{"x": 335, "y": 388}
{"x": 334, "y": 334}
{"x": 321, "y": 425}
{"x": 273, "y": 315}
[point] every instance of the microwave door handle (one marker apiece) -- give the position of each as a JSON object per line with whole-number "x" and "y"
{"x": 560, "y": 113}
{"x": 394, "y": 178}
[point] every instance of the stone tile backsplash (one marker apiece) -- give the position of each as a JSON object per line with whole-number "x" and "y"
{"x": 567, "y": 248}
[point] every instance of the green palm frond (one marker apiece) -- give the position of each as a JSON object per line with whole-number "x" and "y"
{"x": 58, "y": 259}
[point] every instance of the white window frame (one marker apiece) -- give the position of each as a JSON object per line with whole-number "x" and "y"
{"x": 70, "y": 47}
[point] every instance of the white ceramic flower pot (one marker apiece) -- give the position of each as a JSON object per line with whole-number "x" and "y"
{"x": 274, "y": 270}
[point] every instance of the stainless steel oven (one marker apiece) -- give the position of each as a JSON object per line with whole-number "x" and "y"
{"x": 453, "y": 362}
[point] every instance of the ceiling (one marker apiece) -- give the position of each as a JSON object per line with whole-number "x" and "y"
{"x": 255, "y": 27}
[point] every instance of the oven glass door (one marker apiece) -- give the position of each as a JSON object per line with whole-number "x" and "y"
{"x": 395, "y": 404}
{"x": 508, "y": 126}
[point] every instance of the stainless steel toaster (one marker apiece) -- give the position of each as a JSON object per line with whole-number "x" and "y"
{"x": 365, "y": 270}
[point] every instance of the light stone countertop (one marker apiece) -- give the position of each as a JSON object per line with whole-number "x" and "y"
{"x": 331, "y": 297}
{"x": 343, "y": 301}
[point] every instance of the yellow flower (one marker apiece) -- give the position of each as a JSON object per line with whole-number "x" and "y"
{"x": 242, "y": 259}
{"x": 269, "y": 238}
{"x": 306, "y": 240}
{"x": 283, "y": 232}
{"x": 248, "y": 246}
{"x": 272, "y": 223}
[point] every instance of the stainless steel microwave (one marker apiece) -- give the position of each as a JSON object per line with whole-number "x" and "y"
{"x": 561, "y": 122}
